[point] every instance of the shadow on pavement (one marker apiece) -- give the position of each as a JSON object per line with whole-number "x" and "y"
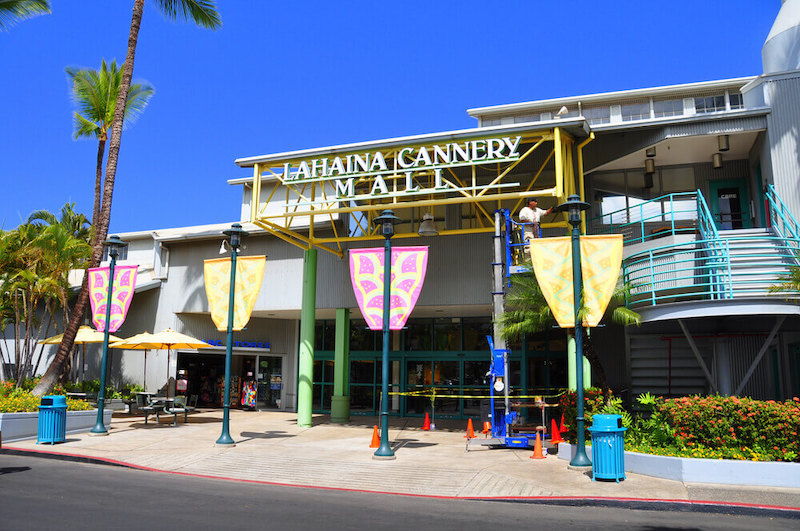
{"x": 250, "y": 435}
{"x": 12, "y": 469}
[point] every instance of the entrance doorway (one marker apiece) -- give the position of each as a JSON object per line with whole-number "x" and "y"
{"x": 270, "y": 382}
{"x": 730, "y": 204}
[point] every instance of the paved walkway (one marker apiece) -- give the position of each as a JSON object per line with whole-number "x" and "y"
{"x": 270, "y": 447}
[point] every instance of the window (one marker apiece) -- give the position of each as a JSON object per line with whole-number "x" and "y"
{"x": 667, "y": 108}
{"x": 635, "y": 111}
{"x": 736, "y": 101}
{"x": 597, "y": 115}
{"x": 526, "y": 118}
{"x": 488, "y": 122}
{"x": 709, "y": 104}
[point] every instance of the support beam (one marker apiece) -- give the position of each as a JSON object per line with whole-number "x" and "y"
{"x": 698, "y": 356}
{"x": 340, "y": 402}
{"x": 761, "y": 353}
{"x": 305, "y": 355}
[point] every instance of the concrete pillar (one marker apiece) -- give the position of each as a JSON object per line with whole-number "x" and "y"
{"x": 305, "y": 356}
{"x": 571, "y": 374}
{"x": 340, "y": 402}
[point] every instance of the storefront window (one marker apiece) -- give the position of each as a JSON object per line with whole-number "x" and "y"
{"x": 362, "y": 372}
{"x": 475, "y": 331}
{"x": 419, "y": 372}
{"x": 362, "y": 398}
{"x": 447, "y": 334}
{"x": 361, "y": 337}
{"x": 446, "y": 373}
{"x": 418, "y": 335}
{"x": 475, "y": 372}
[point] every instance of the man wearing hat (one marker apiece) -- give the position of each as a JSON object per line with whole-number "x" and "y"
{"x": 532, "y": 215}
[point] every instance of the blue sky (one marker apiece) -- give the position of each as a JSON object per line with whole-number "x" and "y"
{"x": 281, "y": 76}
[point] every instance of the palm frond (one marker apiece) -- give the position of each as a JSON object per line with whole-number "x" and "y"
{"x": 12, "y": 11}
{"x": 201, "y": 12}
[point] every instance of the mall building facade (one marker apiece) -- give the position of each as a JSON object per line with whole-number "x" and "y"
{"x": 702, "y": 179}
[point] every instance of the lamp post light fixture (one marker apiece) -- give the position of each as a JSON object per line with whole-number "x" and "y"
{"x": 235, "y": 235}
{"x": 574, "y": 206}
{"x": 114, "y": 245}
{"x": 386, "y": 222}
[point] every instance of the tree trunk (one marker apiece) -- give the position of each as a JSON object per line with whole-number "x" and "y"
{"x": 98, "y": 182}
{"x": 50, "y": 377}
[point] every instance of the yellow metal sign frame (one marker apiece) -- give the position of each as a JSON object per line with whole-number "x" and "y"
{"x": 317, "y": 199}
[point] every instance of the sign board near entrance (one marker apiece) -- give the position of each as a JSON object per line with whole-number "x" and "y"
{"x": 240, "y": 344}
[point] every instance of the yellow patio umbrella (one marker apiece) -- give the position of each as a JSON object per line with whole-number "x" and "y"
{"x": 165, "y": 340}
{"x": 86, "y": 334}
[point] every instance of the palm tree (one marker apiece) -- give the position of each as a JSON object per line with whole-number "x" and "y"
{"x": 95, "y": 94}
{"x": 74, "y": 223}
{"x": 201, "y": 12}
{"x": 529, "y": 313}
{"x": 14, "y": 10}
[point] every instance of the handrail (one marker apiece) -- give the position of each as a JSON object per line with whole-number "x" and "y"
{"x": 660, "y": 217}
{"x": 687, "y": 271}
{"x": 779, "y": 211}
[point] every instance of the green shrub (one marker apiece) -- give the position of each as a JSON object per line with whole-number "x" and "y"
{"x": 19, "y": 400}
{"x": 592, "y": 403}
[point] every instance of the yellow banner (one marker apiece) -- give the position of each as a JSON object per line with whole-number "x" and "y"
{"x": 601, "y": 258}
{"x": 249, "y": 275}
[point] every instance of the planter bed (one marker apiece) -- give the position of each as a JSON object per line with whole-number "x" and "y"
{"x": 694, "y": 470}
{"x": 25, "y": 425}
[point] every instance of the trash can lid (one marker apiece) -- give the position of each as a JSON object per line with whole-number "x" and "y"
{"x": 606, "y": 422}
{"x": 56, "y": 400}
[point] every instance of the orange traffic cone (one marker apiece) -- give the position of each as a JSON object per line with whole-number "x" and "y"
{"x": 427, "y": 425}
{"x": 470, "y": 432}
{"x": 537, "y": 448}
{"x": 376, "y": 440}
{"x": 487, "y": 428}
{"x": 555, "y": 436}
{"x": 563, "y": 427}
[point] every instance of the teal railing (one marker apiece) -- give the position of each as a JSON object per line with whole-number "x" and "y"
{"x": 781, "y": 218}
{"x": 746, "y": 266}
{"x": 670, "y": 214}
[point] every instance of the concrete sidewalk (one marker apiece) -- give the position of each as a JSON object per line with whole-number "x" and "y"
{"x": 271, "y": 448}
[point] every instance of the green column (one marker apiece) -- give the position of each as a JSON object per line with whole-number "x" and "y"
{"x": 340, "y": 402}
{"x": 587, "y": 367}
{"x": 305, "y": 356}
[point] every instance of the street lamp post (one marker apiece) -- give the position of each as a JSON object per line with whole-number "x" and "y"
{"x": 235, "y": 235}
{"x": 386, "y": 221}
{"x": 114, "y": 245}
{"x": 574, "y": 206}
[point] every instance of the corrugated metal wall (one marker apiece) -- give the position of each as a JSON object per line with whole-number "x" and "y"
{"x": 783, "y": 95}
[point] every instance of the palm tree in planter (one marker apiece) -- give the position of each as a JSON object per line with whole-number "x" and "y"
{"x": 527, "y": 312}
{"x": 201, "y": 12}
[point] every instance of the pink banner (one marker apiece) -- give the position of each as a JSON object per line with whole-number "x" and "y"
{"x": 409, "y": 265}
{"x": 121, "y": 295}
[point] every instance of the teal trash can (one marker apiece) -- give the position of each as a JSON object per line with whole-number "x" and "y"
{"x": 608, "y": 447}
{"x": 52, "y": 420}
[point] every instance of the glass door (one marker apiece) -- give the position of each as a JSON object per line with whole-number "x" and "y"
{"x": 730, "y": 204}
{"x": 270, "y": 382}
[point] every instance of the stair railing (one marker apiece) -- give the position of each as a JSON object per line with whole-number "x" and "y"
{"x": 719, "y": 263}
{"x": 782, "y": 220}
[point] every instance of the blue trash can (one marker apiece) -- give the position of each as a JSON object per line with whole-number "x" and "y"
{"x": 608, "y": 447}
{"x": 52, "y": 420}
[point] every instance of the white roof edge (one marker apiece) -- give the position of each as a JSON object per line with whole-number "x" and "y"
{"x": 621, "y": 94}
{"x": 189, "y": 233}
{"x": 459, "y": 134}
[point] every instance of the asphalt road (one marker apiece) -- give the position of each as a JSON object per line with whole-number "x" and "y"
{"x": 37, "y": 493}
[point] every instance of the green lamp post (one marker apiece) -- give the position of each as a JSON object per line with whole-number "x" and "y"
{"x": 114, "y": 245}
{"x": 235, "y": 235}
{"x": 386, "y": 222}
{"x": 574, "y": 206}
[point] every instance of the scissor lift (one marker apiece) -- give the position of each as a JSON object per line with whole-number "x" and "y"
{"x": 514, "y": 237}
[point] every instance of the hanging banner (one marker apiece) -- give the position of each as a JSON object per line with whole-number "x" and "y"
{"x": 409, "y": 265}
{"x": 121, "y": 295}
{"x": 601, "y": 259}
{"x": 217, "y": 275}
